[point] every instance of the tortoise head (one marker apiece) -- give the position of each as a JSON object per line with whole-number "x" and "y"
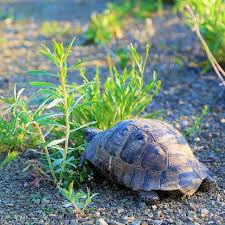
{"x": 90, "y": 133}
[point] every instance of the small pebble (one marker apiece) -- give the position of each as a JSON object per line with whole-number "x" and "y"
{"x": 136, "y": 222}
{"x": 120, "y": 210}
{"x": 157, "y": 222}
{"x": 97, "y": 214}
{"x": 73, "y": 222}
{"x": 203, "y": 212}
{"x": 197, "y": 139}
{"x": 101, "y": 222}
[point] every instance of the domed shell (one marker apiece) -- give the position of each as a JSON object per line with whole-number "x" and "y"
{"x": 146, "y": 154}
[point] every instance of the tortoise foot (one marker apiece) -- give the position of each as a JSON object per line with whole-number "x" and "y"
{"x": 150, "y": 197}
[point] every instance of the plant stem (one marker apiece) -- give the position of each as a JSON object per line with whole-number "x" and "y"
{"x": 63, "y": 73}
{"x": 218, "y": 69}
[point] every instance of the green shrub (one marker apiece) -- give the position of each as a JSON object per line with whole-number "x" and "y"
{"x": 196, "y": 127}
{"x": 79, "y": 200}
{"x": 109, "y": 24}
{"x": 59, "y": 159}
{"x": 14, "y": 133}
{"x": 124, "y": 96}
{"x": 211, "y": 19}
{"x": 6, "y": 14}
{"x": 123, "y": 57}
{"x": 137, "y": 8}
{"x": 103, "y": 27}
{"x": 55, "y": 29}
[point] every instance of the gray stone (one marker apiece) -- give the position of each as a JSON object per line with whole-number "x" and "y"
{"x": 136, "y": 222}
{"x": 101, "y": 221}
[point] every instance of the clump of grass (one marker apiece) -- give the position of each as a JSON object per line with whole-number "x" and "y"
{"x": 10, "y": 157}
{"x": 123, "y": 57}
{"x": 14, "y": 133}
{"x": 124, "y": 95}
{"x": 211, "y": 20}
{"x": 78, "y": 200}
{"x": 59, "y": 160}
{"x": 109, "y": 24}
{"x": 55, "y": 29}
{"x": 196, "y": 127}
{"x": 6, "y": 14}
{"x": 104, "y": 27}
{"x": 140, "y": 9}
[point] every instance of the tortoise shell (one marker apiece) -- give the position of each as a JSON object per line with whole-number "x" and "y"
{"x": 146, "y": 154}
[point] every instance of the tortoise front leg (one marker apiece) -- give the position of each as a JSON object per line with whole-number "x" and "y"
{"x": 150, "y": 197}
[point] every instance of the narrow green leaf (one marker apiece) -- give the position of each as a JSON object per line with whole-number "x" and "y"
{"x": 9, "y": 158}
{"x": 70, "y": 189}
{"x": 83, "y": 126}
{"x": 20, "y": 93}
{"x": 43, "y": 84}
{"x": 81, "y": 61}
{"x": 56, "y": 142}
{"x": 48, "y": 116}
{"x": 54, "y": 103}
{"x": 49, "y": 92}
{"x": 41, "y": 73}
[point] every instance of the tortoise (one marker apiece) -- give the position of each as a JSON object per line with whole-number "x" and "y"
{"x": 147, "y": 156}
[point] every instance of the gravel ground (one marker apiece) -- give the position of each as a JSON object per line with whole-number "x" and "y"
{"x": 184, "y": 92}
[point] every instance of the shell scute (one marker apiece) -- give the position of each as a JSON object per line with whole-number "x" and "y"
{"x": 151, "y": 180}
{"x": 134, "y": 147}
{"x": 137, "y": 179}
{"x": 154, "y": 157}
{"x": 118, "y": 137}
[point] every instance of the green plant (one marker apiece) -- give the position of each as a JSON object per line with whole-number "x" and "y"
{"x": 109, "y": 24}
{"x": 55, "y": 29}
{"x": 103, "y": 27}
{"x": 62, "y": 159}
{"x": 14, "y": 133}
{"x": 78, "y": 200}
{"x": 216, "y": 66}
{"x": 7, "y": 14}
{"x": 123, "y": 56}
{"x": 124, "y": 96}
{"x": 211, "y": 19}
{"x": 144, "y": 8}
{"x": 196, "y": 127}
{"x": 10, "y": 157}
{"x": 136, "y": 8}
{"x": 50, "y": 117}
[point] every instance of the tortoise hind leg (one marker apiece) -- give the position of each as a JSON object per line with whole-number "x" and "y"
{"x": 150, "y": 197}
{"x": 208, "y": 183}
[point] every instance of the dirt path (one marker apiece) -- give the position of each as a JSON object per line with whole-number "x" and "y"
{"x": 184, "y": 92}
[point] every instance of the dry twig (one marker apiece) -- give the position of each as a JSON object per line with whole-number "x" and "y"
{"x": 218, "y": 69}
